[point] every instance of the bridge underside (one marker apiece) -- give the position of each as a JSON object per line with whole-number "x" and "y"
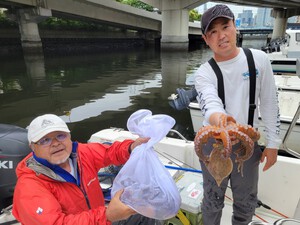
{"x": 265, "y": 3}
{"x": 172, "y": 23}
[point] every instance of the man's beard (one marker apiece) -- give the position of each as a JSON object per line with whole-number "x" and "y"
{"x": 58, "y": 162}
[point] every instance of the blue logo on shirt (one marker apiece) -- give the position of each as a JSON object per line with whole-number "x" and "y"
{"x": 247, "y": 74}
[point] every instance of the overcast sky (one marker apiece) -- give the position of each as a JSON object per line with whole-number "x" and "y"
{"x": 235, "y": 8}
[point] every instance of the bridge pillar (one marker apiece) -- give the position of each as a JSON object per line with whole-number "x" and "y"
{"x": 175, "y": 26}
{"x": 281, "y": 16}
{"x": 28, "y": 19}
{"x": 280, "y": 22}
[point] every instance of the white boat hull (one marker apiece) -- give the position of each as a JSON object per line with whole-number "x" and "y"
{"x": 283, "y": 65}
{"x": 285, "y": 61}
{"x": 287, "y": 82}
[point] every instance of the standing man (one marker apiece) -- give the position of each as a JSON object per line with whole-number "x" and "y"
{"x": 58, "y": 182}
{"x": 219, "y": 32}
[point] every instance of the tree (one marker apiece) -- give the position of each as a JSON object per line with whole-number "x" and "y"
{"x": 194, "y": 15}
{"x": 5, "y": 22}
{"x": 137, "y": 4}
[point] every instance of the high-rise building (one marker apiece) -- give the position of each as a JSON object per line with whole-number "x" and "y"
{"x": 263, "y": 18}
{"x": 293, "y": 19}
{"x": 246, "y": 18}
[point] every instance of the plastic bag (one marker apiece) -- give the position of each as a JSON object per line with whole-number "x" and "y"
{"x": 149, "y": 188}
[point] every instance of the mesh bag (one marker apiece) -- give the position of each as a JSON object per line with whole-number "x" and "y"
{"x": 149, "y": 188}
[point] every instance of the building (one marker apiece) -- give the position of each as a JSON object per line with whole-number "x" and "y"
{"x": 263, "y": 18}
{"x": 246, "y": 18}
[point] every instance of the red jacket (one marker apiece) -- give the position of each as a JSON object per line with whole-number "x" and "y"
{"x": 42, "y": 197}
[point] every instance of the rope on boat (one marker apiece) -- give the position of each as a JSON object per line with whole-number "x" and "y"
{"x": 182, "y": 168}
{"x": 269, "y": 208}
{"x": 259, "y": 217}
{"x": 260, "y": 203}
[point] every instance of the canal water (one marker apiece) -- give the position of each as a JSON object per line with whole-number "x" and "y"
{"x": 97, "y": 91}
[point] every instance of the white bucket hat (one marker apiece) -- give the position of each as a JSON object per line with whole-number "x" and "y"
{"x": 45, "y": 124}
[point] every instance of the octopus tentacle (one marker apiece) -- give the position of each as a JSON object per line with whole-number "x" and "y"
{"x": 225, "y": 120}
{"x": 246, "y": 150}
{"x": 250, "y": 131}
{"x": 201, "y": 138}
{"x": 223, "y": 136}
{"x": 226, "y": 142}
{"x": 239, "y": 160}
{"x": 246, "y": 141}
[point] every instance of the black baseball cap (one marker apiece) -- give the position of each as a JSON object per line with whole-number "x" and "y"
{"x": 213, "y": 13}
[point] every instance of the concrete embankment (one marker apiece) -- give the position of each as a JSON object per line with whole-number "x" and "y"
{"x": 70, "y": 41}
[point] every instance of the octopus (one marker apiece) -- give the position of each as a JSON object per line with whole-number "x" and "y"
{"x": 226, "y": 134}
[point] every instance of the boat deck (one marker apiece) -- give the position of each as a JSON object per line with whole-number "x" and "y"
{"x": 288, "y": 82}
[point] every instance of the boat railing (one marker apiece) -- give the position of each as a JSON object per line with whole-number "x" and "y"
{"x": 180, "y": 135}
{"x": 288, "y": 132}
{"x": 286, "y": 222}
{"x": 258, "y": 223}
{"x": 277, "y": 222}
{"x": 7, "y": 209}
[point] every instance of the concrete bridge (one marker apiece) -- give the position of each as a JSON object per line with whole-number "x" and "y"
{"x": 173, "y": 22}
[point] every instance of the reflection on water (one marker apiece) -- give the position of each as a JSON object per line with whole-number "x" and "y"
{"x": 93, "y": 92}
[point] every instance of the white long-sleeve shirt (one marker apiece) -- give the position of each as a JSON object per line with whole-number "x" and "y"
{"x": 236, "y": 87}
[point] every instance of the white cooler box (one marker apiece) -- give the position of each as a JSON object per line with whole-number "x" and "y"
{"x": 190, "y": 186}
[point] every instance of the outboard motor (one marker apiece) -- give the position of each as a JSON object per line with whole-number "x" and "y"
{"x": 13, "y": 148}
